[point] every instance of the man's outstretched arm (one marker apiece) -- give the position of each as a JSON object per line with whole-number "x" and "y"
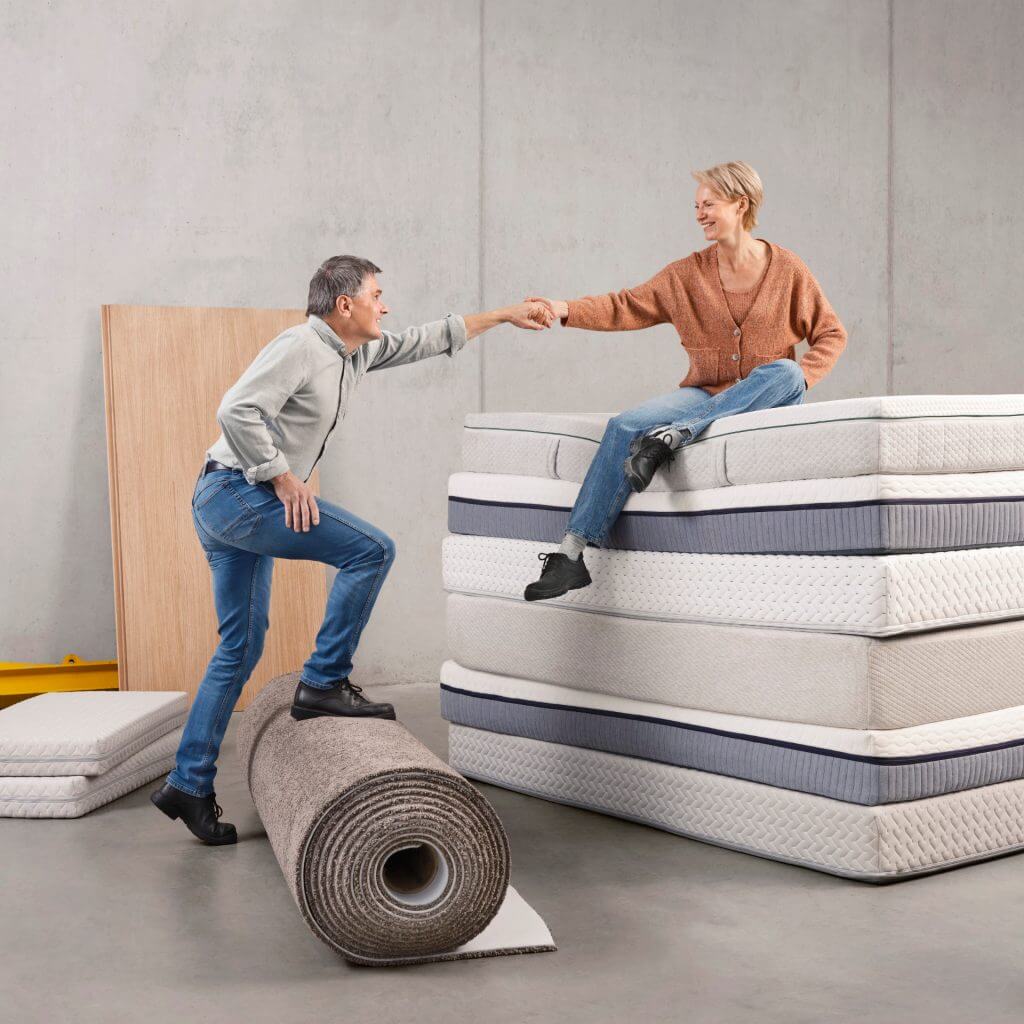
{"x": 447, "y": 336}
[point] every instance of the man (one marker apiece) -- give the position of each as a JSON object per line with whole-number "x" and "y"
{"x": 252, "y": 504}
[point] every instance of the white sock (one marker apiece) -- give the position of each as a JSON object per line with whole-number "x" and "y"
{"x": 672, "y": 437}
{"x": 572, "y": 546}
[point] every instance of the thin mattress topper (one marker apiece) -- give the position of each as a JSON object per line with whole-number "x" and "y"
{"x": 893, "y": 434}
{"x": 888, "y": 407}
{"x": 83, "y": 733}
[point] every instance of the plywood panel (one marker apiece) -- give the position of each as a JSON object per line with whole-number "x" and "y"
{"x": 165, "y": 372}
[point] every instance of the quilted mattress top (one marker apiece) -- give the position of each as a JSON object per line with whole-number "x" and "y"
{"x": 83, "y": 733}
{"x": 849, "y": 437}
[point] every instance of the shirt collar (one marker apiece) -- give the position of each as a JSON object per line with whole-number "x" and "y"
{"x": 328, "y": 335}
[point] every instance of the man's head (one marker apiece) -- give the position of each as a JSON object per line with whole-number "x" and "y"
{"x": 345, "y": 294}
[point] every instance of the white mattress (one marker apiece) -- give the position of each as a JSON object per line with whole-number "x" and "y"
{"x": 929, "y": 434}
{"x": 71, "y": 796}
{"x": 960, "y": 734}
{"x": 870, "y": 595}
{"x": 830, "y": 679}
{"x": 876, "y": 844}
{"x": 508, "y": 488}
{"x": 87, "y": 734}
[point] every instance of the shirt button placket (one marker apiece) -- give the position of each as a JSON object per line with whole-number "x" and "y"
{"x": 735, "y": 356}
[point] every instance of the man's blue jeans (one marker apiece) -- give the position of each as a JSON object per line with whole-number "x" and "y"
{"x": 689, "y": 410}
{"x": 241, "y": 528}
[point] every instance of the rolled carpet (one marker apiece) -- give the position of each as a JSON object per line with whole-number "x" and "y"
{"x": 391, "y": 856}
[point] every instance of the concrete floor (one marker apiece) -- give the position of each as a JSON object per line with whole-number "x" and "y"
{"x": 122, "y": 916}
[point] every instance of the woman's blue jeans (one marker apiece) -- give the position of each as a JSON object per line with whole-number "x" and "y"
{"x": 688, "y": 410}
{"x": 241, "y": 528}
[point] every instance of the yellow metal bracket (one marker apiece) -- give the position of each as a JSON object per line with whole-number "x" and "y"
{"x": 19, "y": 680}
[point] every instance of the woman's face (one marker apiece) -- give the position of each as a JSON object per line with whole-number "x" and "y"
{"x": 718, "y": 217}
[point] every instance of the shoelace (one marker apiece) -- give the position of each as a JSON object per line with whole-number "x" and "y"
{"x": 671, "y": 456}
{"x": 545, "y": 557}
{"x": 218, "y": 810}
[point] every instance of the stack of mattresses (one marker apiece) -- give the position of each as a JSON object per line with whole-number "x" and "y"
{"x": 805, "y": 640}
{"x": 65, "y": 754}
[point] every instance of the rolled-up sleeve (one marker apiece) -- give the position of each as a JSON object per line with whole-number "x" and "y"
{"x": 440, "y": 337}
{"x": 276, "y": 374}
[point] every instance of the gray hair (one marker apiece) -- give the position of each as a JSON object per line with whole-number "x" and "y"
{"x": 340, "y": 275}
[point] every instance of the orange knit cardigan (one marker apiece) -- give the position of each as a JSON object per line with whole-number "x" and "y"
{"x": 790, "y": 307}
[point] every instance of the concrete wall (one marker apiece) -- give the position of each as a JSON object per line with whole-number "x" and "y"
{"x": 212, "y": 153}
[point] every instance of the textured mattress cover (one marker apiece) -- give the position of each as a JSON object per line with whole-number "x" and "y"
{"x": 830, "y": 679}
{"x": 871, "y": 844}
{"x": 855, "y": 765}
{"x": 870, "y": 595}
{"x": 84, "y": 733}
{"x": 873, "y": 514}
{"x": 72, "y": 796}
{"x": 850, "y": 437}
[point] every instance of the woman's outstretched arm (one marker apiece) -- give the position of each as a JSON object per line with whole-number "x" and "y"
{"x": 631, "y": 309}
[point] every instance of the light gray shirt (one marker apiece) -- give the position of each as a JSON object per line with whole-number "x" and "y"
{"x": 282, "y": 411}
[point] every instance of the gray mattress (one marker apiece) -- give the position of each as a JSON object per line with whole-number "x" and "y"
{"x": 828, "y": 679}
{"x": 852, "y": 528}
{"x": 850, "y": 777}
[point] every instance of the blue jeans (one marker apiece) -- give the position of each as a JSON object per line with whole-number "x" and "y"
{"x": 688, "y": 410}
{"x": 241, "y": 528}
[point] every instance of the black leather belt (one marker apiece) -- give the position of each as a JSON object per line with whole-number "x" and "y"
{"x": 212, "y": 466}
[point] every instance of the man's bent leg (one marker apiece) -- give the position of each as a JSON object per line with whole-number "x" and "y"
{"x": 363, "y": 555}
{"x": 241, "y": 591}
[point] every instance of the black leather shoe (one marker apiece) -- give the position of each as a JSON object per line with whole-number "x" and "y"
{"x": 559, "y": 575}
{"x": 648, "y": 454}
{"x": 200, "y": 814}
{"x": 343, "y": 699}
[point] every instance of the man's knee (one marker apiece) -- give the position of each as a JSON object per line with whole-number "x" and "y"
{"x": 388, "y": 550}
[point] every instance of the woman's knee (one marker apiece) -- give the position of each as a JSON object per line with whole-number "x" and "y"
{"x": 790, "y": 369}
{"x": 627, "y": 423}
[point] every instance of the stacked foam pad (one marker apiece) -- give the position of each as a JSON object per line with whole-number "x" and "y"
{"x": 805, "y": 640}
{"x": 65, "y": 754}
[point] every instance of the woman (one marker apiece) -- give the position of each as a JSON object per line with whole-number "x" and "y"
{"x": 741, "y": 305}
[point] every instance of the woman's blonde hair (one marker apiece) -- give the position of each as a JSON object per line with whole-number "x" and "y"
{"x": 733, "y": 180}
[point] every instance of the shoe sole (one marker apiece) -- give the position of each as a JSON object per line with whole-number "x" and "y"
{"x": 555, "y": 593}
{"x": 154, "y": 799}
{"x": 303, "y": 714}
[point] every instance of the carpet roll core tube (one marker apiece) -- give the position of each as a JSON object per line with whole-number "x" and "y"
{"x": 390, "y": 855}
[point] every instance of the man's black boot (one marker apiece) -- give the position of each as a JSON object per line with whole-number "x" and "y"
{"x": 647, "y": 455}
{"x": 559, "y": 575}
{"x": 200, "y": 813}
{"x": 342, "y": 700}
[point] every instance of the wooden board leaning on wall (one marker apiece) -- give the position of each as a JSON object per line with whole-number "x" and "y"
{"x": 166, "y": 369}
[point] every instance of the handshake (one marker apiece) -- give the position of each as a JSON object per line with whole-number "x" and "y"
{"x": 536, "y": 313}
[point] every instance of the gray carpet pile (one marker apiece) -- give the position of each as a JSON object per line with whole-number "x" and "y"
{"x": 390, "y": 855}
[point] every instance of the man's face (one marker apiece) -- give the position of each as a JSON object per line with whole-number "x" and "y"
{"x": 366, "y": 310}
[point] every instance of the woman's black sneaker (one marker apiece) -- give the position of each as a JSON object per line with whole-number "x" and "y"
{"x": 559, "y": 575}
{"x": 201, "y": 814}
{"x": 648, "y": 455}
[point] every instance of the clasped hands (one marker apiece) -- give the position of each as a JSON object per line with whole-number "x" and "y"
{"x": 536, "y": 313}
